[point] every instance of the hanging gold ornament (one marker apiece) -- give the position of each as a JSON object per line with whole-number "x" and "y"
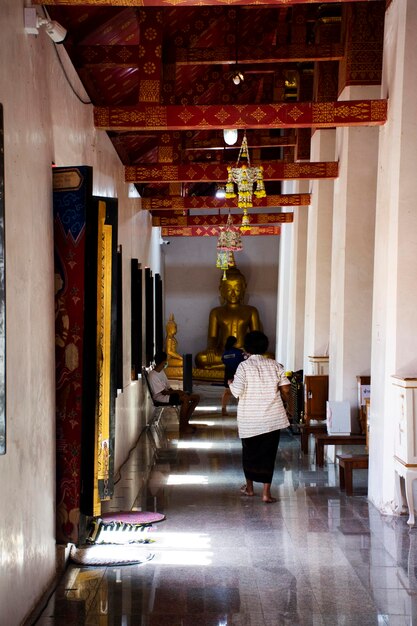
{"x": 245, "y": 177}
{"x": 229, "y": 241}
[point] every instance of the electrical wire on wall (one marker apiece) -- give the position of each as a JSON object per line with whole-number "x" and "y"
{"x": 63, "y": 68}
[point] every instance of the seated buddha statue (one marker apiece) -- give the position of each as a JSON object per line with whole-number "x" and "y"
{"x": 171, "y": 344}
{"x": 233, "y": 318}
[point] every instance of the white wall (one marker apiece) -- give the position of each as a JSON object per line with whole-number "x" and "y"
{"x": 192, "y": 285}
{"x": 45, "y": 122}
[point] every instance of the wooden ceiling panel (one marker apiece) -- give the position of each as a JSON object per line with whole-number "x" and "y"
{"x": 159, "y": 73}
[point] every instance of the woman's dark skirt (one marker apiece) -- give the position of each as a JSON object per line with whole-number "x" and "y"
{"x": 258, "y": 456}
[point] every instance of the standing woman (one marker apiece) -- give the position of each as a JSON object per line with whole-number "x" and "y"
{"x": 262, "y": 389}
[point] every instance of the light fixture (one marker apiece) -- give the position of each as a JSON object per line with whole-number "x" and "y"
{"x": 238, "y": 77}
{"x": 33, "y": 23}
{"x": 220, "y": 193}
{"x": 230, "y": 136}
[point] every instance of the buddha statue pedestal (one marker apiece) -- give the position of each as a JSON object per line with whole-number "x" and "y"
{"x": 212, "y": 375}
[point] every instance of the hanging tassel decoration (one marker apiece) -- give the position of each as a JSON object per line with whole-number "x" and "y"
{"x": 245, "y": 221}
{"x": 260, "y": 186}
{"x": 230, "y": 188}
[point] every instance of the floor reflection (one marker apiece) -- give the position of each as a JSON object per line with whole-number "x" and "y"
{"x": 315, "y": 558}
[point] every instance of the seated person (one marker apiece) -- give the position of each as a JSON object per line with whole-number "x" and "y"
{"x": 162, "y": 392}
{"x": 231, "y": 358}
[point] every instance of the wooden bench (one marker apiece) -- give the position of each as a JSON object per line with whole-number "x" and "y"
{"x": 322, "y": 439}
{"x": 347, "y": 463}
{"x": 310, "y": 429}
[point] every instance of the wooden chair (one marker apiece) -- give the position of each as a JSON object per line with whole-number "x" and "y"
{"x": 347, "y": 463}
{"x": 323, "y": 439}
{"x": 310, "y": 429}
{"x": 316, "y": 392}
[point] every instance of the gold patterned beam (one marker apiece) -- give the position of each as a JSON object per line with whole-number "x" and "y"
{"x": 203, "y": 172}
{"x": 206, "y": 172}
{"x": 184, "y": 3}
{"x": 213, "y": 231}
{"x": 106, "y": 56}
{"x": 128, "y": 55}
{"x": 209, "y": 117}
{"x": 179, "y": 203}
{"x": 294, "y": 53}
{"x": 219, "y": 220}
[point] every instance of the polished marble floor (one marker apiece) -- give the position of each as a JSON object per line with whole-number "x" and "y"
{"x": 316, "y": 557}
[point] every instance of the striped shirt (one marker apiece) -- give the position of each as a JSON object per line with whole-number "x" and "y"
{"x": 260, "y": 408}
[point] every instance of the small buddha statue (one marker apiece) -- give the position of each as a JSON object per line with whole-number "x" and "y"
{"x": 232, "y": 318}
{"x": 171, "y": 343}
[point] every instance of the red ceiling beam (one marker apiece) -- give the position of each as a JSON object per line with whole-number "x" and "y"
{"x": 106, "y": 56}
{"x": 219, "y": 220}
{"x": 128, "y": 56}
{"x": 255, "y": 140}
{"x": 295, "y": 53}
{"x": 178, "y": 203}
{"x": 185, "y": 3}
{"x": 213, "y": 231}
{"x": 203, "y": 172}
{"x": 210, "y": 117}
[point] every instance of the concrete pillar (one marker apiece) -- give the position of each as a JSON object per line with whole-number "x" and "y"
{"x": 284, "y": 264}
{"x": 295, "y": 265}
{"x": 352, "y": 255}
{"x": 319, "y": 247}
{"x": 394, "y": 337}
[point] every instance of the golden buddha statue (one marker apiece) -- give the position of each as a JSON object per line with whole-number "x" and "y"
{"x": 171, "y": 343}
{"x": 233, "y": 318}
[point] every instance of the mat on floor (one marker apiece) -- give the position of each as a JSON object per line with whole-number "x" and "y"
{"x": 123, "y": 527}
{"x": 109, "y": 555}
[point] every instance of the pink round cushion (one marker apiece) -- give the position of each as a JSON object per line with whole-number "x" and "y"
{"x": 133, "y": 517}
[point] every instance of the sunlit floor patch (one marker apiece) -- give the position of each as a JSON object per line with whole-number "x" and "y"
{"x": 187, "y": 479}
{"x": 196, "y": 445}
{"x": 184, "y": 548}
{"x": 207, "y": 408}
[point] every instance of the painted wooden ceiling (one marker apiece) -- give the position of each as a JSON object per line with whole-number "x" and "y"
{"x": 178, "y": 53}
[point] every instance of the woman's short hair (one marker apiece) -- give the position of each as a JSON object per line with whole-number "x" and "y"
{"x": 256, "y": 342}
{"x": 230, "y": 342}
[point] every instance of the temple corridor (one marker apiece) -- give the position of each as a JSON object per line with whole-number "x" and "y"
{"x": 314, "y": 558}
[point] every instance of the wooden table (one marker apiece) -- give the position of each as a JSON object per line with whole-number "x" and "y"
{"x": 347, "y": 463}
{"x": 310, "y": 429}
{"x": 323, "y": 439}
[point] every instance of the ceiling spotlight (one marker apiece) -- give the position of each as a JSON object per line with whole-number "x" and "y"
{"x": 230, "y": 136}
{"x": 238, "y": 78}
{"x": 33, "y": 22}
{"x": 220, "y": 193}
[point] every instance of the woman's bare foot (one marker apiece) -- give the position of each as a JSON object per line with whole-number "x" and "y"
{"x": 269, "y": 500}
{"x": 245, "y": 491}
